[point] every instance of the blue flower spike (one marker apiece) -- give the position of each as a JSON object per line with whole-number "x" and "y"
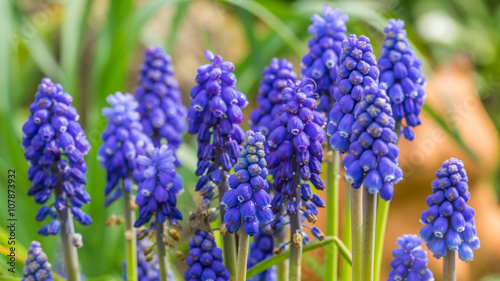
{"x": 205, "y": 259}
{"x": 410, "y": 260}
{"x": 37, "y": 266}
{"x": 247, "y": 201}
{"x": 373, "y": 153}
{"x": 322, "y": 61}
{"x": 402, "y": 74}
{"x": 449, "y": 221}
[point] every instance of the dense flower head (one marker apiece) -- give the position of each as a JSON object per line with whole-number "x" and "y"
{"x": 322, "y": 61}
{"x": 401, "y": 72}
{"x": 248, "y": 201}
{"x": 357, "y": 69}
{"x": 205, "y": 259}
{"x": 262, "y": 248}
{"x": 37, "y": 266}
{"x": 410, "y": 260}
{"x": 373, "y": 153}
{"x": 159, "y": 186}
{"x": 449, "y": 221}
{"x": 296, "y": 142}
{"x": 55, "y": 145}
{"x": 270, "y": 97}
{"x": 163, "y": 116}
{"x": 214, "y": 115}
{"x": 123, "y": 140}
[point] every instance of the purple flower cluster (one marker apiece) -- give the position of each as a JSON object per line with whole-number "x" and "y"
{"x": 163, "y": 116}
{"x": 401, "y": 72}
{"x": 37, "y": 266}
{"x": 248, "y": 198}
{"x": 262, "y": 248}
{"x": 373, "y": 153}
{"x": 159, "y": 186}
{"x": 55, "y": 144}
{"x": 214, "y": 114}
{"x": 270, "y": 97}
{"x": 322, "y": 61}
{"x": 205, "y": 259}
{"x": 357, "y": 69}
{"x": 296, "y": 141}
{"x": 410, "y": 260}
{"x": 123, "y": 140}
{"x": 449, "y": 221}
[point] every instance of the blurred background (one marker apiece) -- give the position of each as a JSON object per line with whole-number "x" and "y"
{"x": 94, "y": 48}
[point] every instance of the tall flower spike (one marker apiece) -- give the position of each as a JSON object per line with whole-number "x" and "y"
{"x": 205, "y": 259}
{"x": 55, "y": 144}
{"x": 373, "y": 155}
{"x": 214, "y": 115}
{"x": 123, "y": 140}
{"x": 37, "y": 266}
{"x": 410, "y": 260}
{"x": 322, "y": 60}
{"x": 163, "y": 116}
{"x": 357, "y": 69}
{"x": 247, "y": 201}
{"x": 270, "y": 97}
{"x": 449, "y": 221}
{"x": 262, "y": 248}
{"x": 159, "y": 186}
{"x": 401, "y": 72}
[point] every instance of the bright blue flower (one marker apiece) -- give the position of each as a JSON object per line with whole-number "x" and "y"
{"x": 55, "y": 145}
{"x": 123, "y": 140}
{"x": 449, "y": 221}
{"x": 214, "y": 115}
{"x": 205, "y": 259}
{"x": 37, "y": 266}
{"x": 163, "y": 116}
{"x": 270, "y": 97}
{"x": 402, "y": 74}
{"x": 262, "y": 248}
{"x": 357, "y": 69}
{"x": 410, "y": 260}
{"x": 159, "y": 186}
{"x": 373, "y": 153}
{"x": 322, "y": 61}
{"x": 248, "y": 201}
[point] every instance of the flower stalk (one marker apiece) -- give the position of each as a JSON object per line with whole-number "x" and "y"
{"x": 332, "y": 215}
{"x": 228, "y": 240}
{"x": 368, "y": 238}
{"x": 356, "y": 230}
{"x": 295, "y": 270}
{"x": 162, "y": 252}
{"x": 449, "y": 272}
{"x": 282, "y": 267}
{"x": 241, "y": 270}
{"x": 130, "y": 237}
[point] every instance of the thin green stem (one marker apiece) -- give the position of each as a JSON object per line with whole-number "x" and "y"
{"x": 449, "y": 272}
{"x": 356, "y": 230}
{"x": 368, "y": 240}
{"x": 241, "y": 270}
{"x": 345, "y": 266}
{"x": 332, "y": 216}
{"x": 228, "y": 240}
{"x": 162, "y": 252}
{"x": 295, "y": 270}
{"x": 130, "y": 238}
{"x": 282, "y": 267}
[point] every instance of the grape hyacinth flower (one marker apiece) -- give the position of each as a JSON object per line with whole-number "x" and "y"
{"x": 357, "y": 69}
{"x": 401, "y": 72}
{"x": 214, "y": 115}
{"x": 247, "y": 201}
{"x": 270, "y": 97}
{"x": 373, "y": 155}
{"x": 55, "y": 145}
{"x": 160, "y": 102}
{"x": 449, "y": 221}
{"x": 261, "y": 249}
{"x": 37, "y": 266}
{"x": 205, "y": 259}
{"x": 322, "y": 61}
{"x": 410, "y": 260}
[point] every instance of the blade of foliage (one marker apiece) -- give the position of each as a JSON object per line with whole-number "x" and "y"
{"x": 180, "y": 14}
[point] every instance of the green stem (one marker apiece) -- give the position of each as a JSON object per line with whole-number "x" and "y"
{"x": 345, "y": 266}
{"x": 449, "y": 272}
{"x": 368, "y": 242}
{"x": 282, "y": 267}
{"x": 130, "y": 238}
{"x": 332, "y": 216}
{"x": 162, "y": 252}
{"x": 241, "y": 270}
{"x": 228, "y": 240}
{"x": 356, "y": 230}
{"x": 295, "y": 270}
